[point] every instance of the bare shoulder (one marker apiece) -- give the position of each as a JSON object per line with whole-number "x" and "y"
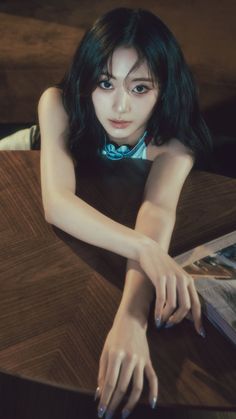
{"x": 56, "y": 163}
{"x": 176, "y": 156}
{"x": 53, "y": 118}
{"x": 176, "y": 147}
{"x": 173, "y": 149}
{"x": 51, "y": 92}
{"x": 51, "y": 98}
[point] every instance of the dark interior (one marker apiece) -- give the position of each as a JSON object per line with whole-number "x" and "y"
{"x": 38, "y": 40}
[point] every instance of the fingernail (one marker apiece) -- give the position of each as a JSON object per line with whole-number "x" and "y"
{"x": 109, "y": 414}
{"x": 168, "y": 325}
{"x": 101, "y": 411}
{"x": 125, "y": 414}
{"x": 202, "y": 332}
{"x": 153, "y": 402}
{"x": 158, "y": 322}
{"x": 96, "y": 393}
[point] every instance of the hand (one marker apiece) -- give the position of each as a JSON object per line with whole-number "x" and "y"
{"x": 175, "y": 290}
{"x": 125, "y": 357}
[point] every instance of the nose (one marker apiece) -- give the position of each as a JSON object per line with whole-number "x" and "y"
{"x": 121, "y": 103}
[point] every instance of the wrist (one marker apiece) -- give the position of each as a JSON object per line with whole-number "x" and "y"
{"x": 137, "y": 296}
{"x": 143, "y": 242}
{"x": 130, "y": 314}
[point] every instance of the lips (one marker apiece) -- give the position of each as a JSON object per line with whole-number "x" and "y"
{"x": 119, "y": 123}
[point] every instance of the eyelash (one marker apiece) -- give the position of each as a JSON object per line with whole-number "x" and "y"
{"x": 139, "y": 85}
{"x": 104, "y": 81}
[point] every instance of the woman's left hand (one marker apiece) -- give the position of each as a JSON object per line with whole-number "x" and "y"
{"x": 125, "y": 357}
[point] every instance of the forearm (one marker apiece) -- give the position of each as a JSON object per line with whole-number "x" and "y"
{"x": 79, "y": 219}
{"x": 138, "y": 290}
{"x": 157, "y": 223}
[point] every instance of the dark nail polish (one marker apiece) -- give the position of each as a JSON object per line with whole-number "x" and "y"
{"x": 158, "y": 322}
{"x": 101, "y": 411}
{"x": 202, "y": 332}
{"x": 153, "y": 402}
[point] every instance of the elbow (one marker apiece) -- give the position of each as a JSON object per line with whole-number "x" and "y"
{"x": 48, "y": 217}
{"x": 56, "y": 207}
{"x": 49, "y": 212}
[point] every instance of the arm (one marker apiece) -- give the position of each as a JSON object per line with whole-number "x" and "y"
{"x": 138, "y": 291}
{"x": 70, "y": 213}
{"x": 156, "y": 219}
{"x": 61, "y": 206}
{"x": 126, "y": 346}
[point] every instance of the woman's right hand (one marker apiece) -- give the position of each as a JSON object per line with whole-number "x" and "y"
{"x": 125, "y": 360}
{"x": 176, "y": 295}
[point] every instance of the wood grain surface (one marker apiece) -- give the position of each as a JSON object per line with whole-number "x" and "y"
{"x": 58, "y": 296}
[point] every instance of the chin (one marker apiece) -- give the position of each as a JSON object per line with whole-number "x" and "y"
{"x": 120, "y": 132}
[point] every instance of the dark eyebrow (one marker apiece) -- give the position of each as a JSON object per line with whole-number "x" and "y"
{"x": 142, "y": 79}
{"x": 110, "y": 76}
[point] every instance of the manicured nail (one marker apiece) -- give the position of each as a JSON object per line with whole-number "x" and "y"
{"x": 101, "y": 411}
{"x": 96, "y": 393}
{"x": 202, "y": 332}
{"x": 153, "y": 402}
{"x": 168, "y": 325}
{"x": 109, "y": 414}
{"x": 125, "y": 414}
{"x": 158, "y": 322}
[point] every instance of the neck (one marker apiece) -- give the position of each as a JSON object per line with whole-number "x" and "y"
{"x": 129, "y": 141}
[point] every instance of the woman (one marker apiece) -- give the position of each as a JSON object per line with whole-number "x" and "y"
{"x": 127, "y": 94}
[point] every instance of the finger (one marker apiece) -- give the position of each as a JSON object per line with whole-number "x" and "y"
{"x": 184, "y": 302}
{"x": 160, "y": 300}
{"x": 112, "y": 373}
{"x": 125, "y": 376}
{"x": 102, "y": 372}
{"x": 171, "y": 299}
{"x": 136, "y": 390}
{"x": 196, "y": 309}
{"x": 153, "y": 384}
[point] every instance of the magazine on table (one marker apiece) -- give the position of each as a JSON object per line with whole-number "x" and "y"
{"x": 213, "y": 267}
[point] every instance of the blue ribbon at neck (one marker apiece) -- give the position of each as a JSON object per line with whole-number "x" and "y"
{"x": 113, "y": 153}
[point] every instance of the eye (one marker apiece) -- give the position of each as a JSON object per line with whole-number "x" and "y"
{"x": 105, "y": 84}
{"x": 140, "y": 89}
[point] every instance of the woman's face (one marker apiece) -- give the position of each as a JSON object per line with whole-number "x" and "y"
{"x": 124, "y": 101}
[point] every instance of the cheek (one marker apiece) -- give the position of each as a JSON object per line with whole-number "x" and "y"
{"x": 150, "y": 104}
{"x": 153, "y": 99}
{"x": 99, "y": 102}
{"x": 144, "y": 109}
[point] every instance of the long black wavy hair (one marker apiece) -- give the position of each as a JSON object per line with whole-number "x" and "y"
{"x": 176, "y": 113}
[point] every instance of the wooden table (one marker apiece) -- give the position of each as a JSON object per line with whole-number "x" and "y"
{"x": 58, "y": 296}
